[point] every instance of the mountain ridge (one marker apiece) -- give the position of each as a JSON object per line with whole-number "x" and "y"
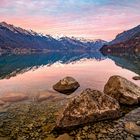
{"x": 125, "y": 42}
{"x": 15, "y": 39}
{"x": 125, "y": 35}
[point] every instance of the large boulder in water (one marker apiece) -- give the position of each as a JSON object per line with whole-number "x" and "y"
{"x": 89, "y": 106}
{"x": 122, "y": 90}
{"x": 66, "y": 85}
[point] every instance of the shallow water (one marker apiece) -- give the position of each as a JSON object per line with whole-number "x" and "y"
{"x": 35, "y": 73}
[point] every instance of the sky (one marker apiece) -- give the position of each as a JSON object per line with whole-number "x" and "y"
{"x": 91, "y": 19}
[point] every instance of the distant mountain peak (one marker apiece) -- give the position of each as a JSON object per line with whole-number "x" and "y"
{"x": 3, "y": 23}
{"x": 17, "y": 29}
{"x": 81, "y": 39}
{"x": 14, "y": 29}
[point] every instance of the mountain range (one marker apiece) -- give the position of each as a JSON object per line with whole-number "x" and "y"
{"x": 17, "y": 40}
{"x": 125, "y": 42}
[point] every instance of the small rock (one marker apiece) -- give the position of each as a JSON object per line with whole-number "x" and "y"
{"x": 67, "y": 85}
{"x": 64, "y": 137}
{"x": 138, "y": 123}
{"x": 89, "y": 106}
{"x": 132, "y": 128}
{"x": 133, "y": 116}
{"x": 124, "y": 91}
{"x": 100, "y": 135}
{"x": 136, "y": 77}
{"x": 129, "y": 138}
{"x": 104, "y": 131}
{"x": 111, "y": 130}
{"x": 92, "y": 136}
{"x": 85, "y": 128}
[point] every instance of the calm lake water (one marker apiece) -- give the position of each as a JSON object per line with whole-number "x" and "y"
{"x": 31, "y": 74}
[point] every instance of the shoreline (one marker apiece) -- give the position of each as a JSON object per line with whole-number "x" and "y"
{"x": 36, "y": 119}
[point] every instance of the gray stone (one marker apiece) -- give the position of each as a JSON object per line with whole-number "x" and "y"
{"x": 66, "y": 85}
{"x": 138, "y": 123}
{"x": 89, "y": 106}
{"x": 132, "y": 128}
{"x": 133, "y": 116}
{"x": 122, "y": 90}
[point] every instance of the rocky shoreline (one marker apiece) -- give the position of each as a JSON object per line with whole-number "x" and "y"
{"x": 90, "y": 115}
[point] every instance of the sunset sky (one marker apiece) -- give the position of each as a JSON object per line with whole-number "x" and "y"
{"x": 91, "y": 19}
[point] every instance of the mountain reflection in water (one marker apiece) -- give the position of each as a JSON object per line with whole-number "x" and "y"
{"x": 34, "y": 73}
{"x": 130, "y": 62}
{"x": 10, "y": 65}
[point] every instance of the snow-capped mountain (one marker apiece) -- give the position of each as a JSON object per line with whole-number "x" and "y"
{"x": 73, "y": 42}
{"x": 13, "y": 39}
{"x": 18, "y": 30}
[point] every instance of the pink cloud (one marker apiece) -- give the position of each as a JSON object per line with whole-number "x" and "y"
{"x": 94, "y": 22}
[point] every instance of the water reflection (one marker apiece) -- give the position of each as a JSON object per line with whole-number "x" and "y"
{"x": 127, "y": 61}
{"x": 11, "y": 65}
{"x": 41, "y": 71}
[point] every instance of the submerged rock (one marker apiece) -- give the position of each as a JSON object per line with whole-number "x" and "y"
{"x": 64, "y": 137}
{"x": 2, "y": 103}
{"x": 133, "y": 116}
{"x": 89, "y": 106}
{"x": 66, "y": 85}
{"x": 122, "y": 90}
{"x": 13, "y": 97}
{"x": 136, "y": 77}
{"x": 131, "y": 122}
{"x": 132, "y": 128}
{"x": 49, "y": 95}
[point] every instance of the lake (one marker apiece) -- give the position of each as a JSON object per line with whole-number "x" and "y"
{"x": 35, "y": 73}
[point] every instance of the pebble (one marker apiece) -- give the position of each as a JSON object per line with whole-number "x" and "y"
{"x": 111, "y": 130}
{"x": 86, "y": 128}
{"x": 64, "y": 136}
{"x": 138, "y": 123}
{"x": 92, "y": 136}
{"x": 104, "y": 131}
